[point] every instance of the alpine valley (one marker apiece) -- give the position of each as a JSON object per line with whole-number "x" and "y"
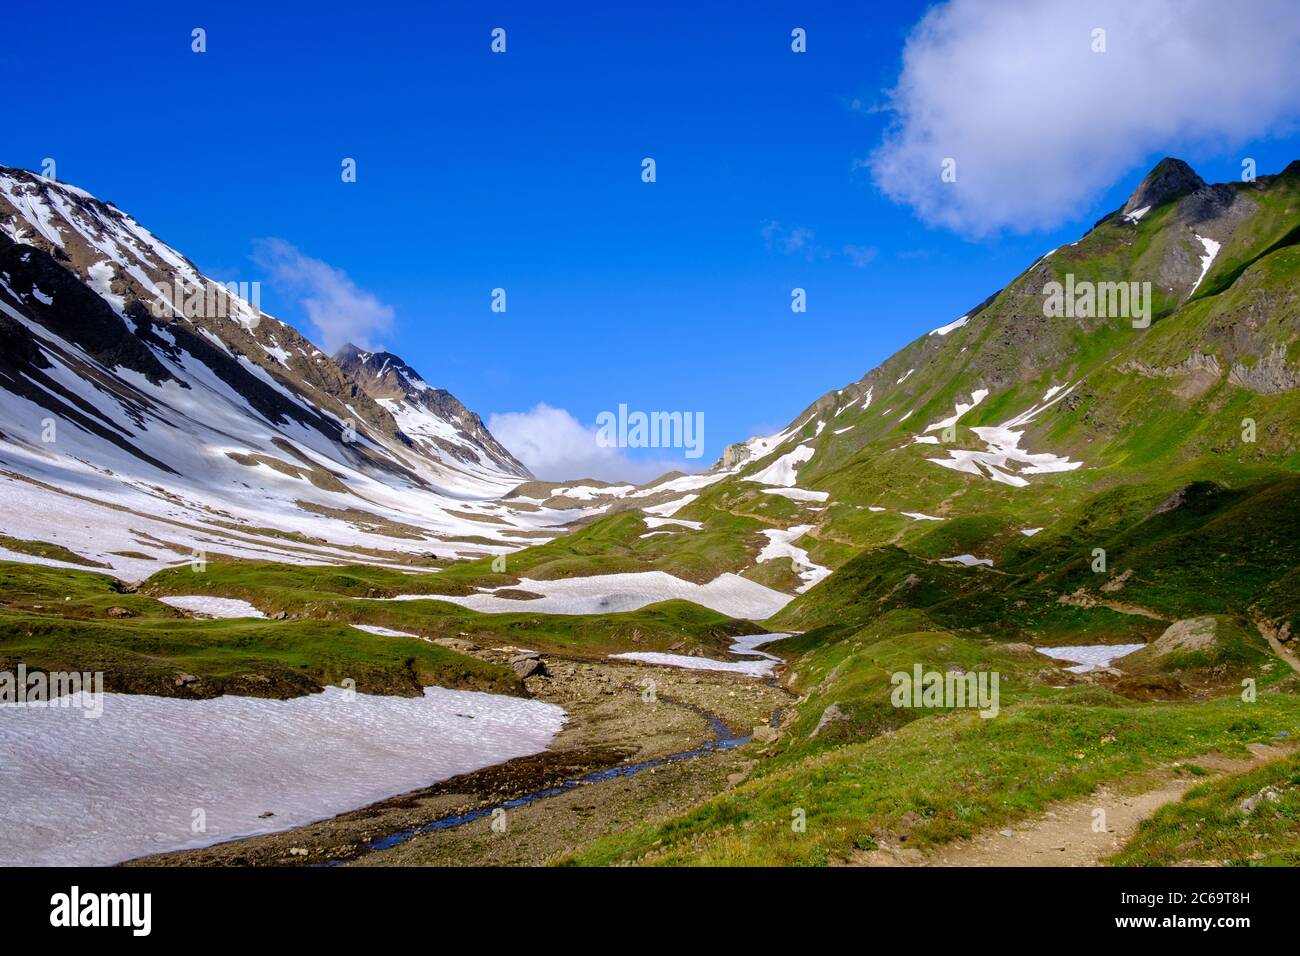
{"x": 334, "y": 612}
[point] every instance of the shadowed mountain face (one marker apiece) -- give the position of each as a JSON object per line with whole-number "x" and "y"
{"x": 129, "y": 378}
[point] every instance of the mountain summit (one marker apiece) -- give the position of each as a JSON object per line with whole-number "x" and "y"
{"x": 1167, "y": 180}
{"x": 433, "y": 417}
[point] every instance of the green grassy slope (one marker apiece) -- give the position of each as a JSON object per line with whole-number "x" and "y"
{"x": 59, "y": 620}
{"x": 1248, "y": 819}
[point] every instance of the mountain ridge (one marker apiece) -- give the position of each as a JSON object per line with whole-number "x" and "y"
{"x": 975, "y": 437}
{"x": 391, "y": 382}
{"x": 130, "y": 375}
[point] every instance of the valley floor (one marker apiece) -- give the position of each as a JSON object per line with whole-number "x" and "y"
{"x": 611, "y": 725}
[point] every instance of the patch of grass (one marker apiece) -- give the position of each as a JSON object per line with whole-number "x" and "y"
{"x": 942, "y": 777}
{"x": 855, "y": 673}
{"x": 44, "y": 549}
{"x": 59, "y": 619}
{"x": 190, "y": 658}
{"x": 1247, "y": 819}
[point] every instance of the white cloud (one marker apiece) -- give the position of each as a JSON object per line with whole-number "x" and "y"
{"x": 802, "y": 242}
{"x": 557, "y": 447}
{"x": 861, "y": 256}
{"x": 796, "y": 241}
{"x": 340, "y": 310}
{"x": 1040, "y": 125}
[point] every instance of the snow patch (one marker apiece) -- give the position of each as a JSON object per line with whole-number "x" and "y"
{"x": 1003, "y": 449}
{"x": 653, "y": 522}
{"x": 744, "y": 645}
{"x": 382, "y": 631}
{"x": 782, "y": 471}
{"x": 1211, "y": 250}
{"x": 728, "y": 594}
{"x": 780, "y": 544}
{"x": 951, "y": 326}
{"x": 79, "y": 792}
{"x": 976, "y": 397}
{"x": 212, "y": 606}
{"x": 798, "y": 494}
{"x": 1090, "y": 656}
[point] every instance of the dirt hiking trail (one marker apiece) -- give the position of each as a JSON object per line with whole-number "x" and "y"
{"x": 1064, "y": 834}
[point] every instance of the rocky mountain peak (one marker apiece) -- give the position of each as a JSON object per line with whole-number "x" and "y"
{"x": 432, "y": 417}
{"x": 388, "y": 372}
{"x": 1168, "y": 179}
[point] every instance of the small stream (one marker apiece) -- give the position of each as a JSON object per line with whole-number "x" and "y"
{"x": 723, "y": 739}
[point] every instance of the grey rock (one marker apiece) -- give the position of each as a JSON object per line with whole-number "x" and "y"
{"x": 528, "y": 667}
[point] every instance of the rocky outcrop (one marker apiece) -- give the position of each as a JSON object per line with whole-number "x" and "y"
{"x": 1193, "y": 634}
{"x": 831, "y": 715}
{"x": 1169, "y": 179}
{"x": 1194, "y": 363}
{"x": 1268, "y": 376}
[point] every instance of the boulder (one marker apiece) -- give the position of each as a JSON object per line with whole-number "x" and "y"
{"x": 830, "y": 715}
{"x": 528, "y": 667}
{"x": 763, "y": 734}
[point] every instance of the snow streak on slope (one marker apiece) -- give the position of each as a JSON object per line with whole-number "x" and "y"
{"x": 780, "y": 544}
{"x": 976, "y": 397}
{"x": 727, "y": 594}
{"x": 1003, "y": 453}
{"x": 951, "y": 326}
{"x": 1207, "y": 260}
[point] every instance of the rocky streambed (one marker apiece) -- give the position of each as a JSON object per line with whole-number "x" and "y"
{"x": 641, "y": 741}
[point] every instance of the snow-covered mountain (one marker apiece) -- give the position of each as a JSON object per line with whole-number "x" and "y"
{"x": 443, "y": 428}
{"x": 148, "y": 411}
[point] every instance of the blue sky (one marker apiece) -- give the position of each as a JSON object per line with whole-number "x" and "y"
{"x": 522, "y": 171}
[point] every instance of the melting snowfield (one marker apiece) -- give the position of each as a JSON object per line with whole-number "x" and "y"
{"x": 728, "y": 594}
{"x": 1090, "y": 656}
{"x": 75, "y": 791}
{"x": 782, "y": 472}
{"x": 212, "y": 606}
{"x": 743, "y": 645}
